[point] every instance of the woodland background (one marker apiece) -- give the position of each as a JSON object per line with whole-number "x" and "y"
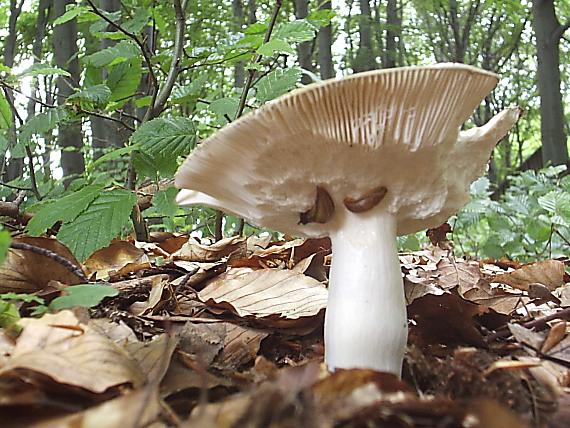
{"x": 101, "y": 100}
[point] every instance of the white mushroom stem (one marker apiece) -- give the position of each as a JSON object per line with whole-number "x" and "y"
{"x": 365, "y": 322}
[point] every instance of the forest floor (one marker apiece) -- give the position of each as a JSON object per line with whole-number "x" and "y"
{"x": 197, "y": 335}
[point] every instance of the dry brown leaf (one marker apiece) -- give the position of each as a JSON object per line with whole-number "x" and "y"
{"x": 458, "y": 273}
{"x": 139, "y": 408}
{"x": 193, "y": 251}
{"x": 27, "y": 272}
{"x": 549, "y": 273}
{"x": 72, "y": 353}
{"x": 525, "y": 335}
{"x": 266, "y": 293}
{"x": 224, "y": 346}
{"x": 114, "y": 257}
{"x": 555, "y": 335}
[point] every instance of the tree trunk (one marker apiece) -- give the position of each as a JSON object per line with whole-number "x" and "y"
{"x": 251, "y": 11}
{"x": 37, "y": 53}
{"x": 304, "y": 50}
{"x": 70, "y": 137}
{"x": 393, "y": 31}
{"x": 326, "y": 68}
{"x": 239, "y": 70}
{"x": 365, "y": 59}
{"x": 548, "y": 32}
{"x": 14, "y": 167}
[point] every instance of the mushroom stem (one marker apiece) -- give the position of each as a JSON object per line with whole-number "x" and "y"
{"x": 365, "y": 321}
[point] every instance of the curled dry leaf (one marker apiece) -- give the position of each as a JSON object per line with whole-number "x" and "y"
{"x": 193, "y": 251}
{"x": 266, "y": 293}
{"x": 27, "y": 271}
{"x": 72, "y": 353}
{"x": 114, "y": 257}
{"x": 549, "y": 273}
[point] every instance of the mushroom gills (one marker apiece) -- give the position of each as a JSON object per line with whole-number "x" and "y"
{"x": 321, "y": 211}
{"x": 367, "y": 201}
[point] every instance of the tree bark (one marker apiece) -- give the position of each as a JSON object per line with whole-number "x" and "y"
{"x": 304, "y": 50}
{"x": 251, "y": 12}
{"x": 14, "y": 167}
{"x": 365, "y": 58}
{"x": 393, "y": 32}
{"x": 70, "y": 136}
{"x": 325, "y": 39}
{"x": 239, "y": 70}
{"x": 548, "y": 32}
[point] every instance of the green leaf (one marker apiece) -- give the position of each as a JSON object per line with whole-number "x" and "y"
{"x": 163, "y": 202}
{"x": 84, "y": 295}
{"x": 296, "y": 31}
{"x": 22, "y": 297}
{"x": 223, "y": 107}
{"x": 164, "y": 139}
{"x": 275, "y": 46}
{"x": 124, "y": 80}
{"x": 321, "y": 17}
{"x": 65, "y": 209}
{"x": 113, "y": 55}
{"x": 42, "y": 123}
{"x": 3, "y": 143}
{"x": 97, "y": 95}
{"x": 181, "y": 93}
{"x": 43, "y": 70}
{"x": 138, "y": 21}
{"x": 4, "y": 244}
{"x": 9, "y": 314}
{"x": 115, "y": 154}
{"x": 277, "y": 83}
{"x": 72, "y": 12}
{"x": 99, "y": 224}
{"x": 6, "y": 117}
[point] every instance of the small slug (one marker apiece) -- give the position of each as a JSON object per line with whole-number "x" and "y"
{"x": 321, "y": 211}
{"x": 367, "y": 201}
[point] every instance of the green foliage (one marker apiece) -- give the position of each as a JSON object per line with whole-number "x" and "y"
{"x": 84, "y": 295}
{"x": 6, "y": 115}
{"x": 4, "y": 244}
{"x": 42, "y": 123}
{"x": 531, "y": 220}
{"x": 113, "y": 55}
{"x": 65, "y": 209}
{"x": 97, "y": 225}
{"x": 43, "y": 70}
{"x": 161, "y": 141}
{"x": 277, "y": 83}
{"x": 123, "y": 80}
{"x": 9, "y": 314}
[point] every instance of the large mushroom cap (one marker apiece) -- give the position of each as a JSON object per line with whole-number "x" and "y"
{"x": 395, "y": 129}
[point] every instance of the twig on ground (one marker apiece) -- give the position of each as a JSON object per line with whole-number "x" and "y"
{"x": 74, "y": 269}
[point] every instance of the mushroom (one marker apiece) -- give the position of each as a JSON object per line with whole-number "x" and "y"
{"x": 362, "y": 160}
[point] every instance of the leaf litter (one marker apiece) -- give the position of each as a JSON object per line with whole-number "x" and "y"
{"x": 229, "y": 334}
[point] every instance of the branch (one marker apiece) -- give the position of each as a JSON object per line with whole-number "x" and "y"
{"x": 130, "y": 35}
{"x": 174, "y": 71}
{"x": 111, "y": 118}
{"x": 559, "y": 32}
{"x": 12, "y": 209}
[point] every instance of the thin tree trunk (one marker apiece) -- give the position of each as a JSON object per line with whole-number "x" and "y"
{"x": 305, "y": 50}
{"x": 70, "y": 137}
{"x": 393, "y": 31}
{"x": 251, "y": 12}
{"x": 326, "y": 67}
{"x": 14, "y": 168}
{"x": 239, "y": 70}
{"x": 548, "y": 32}
{"x": 365, "y": 58}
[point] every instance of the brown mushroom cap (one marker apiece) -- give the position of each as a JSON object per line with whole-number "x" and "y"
{"x": 395, "y": 129}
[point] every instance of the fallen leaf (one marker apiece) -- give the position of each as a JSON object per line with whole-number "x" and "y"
{"x": 555, "y": 335}
{"x": 113, "y": 257}
{"x": 72, "y": 353}
{"x": 549, "y": 273}
{"x": 27, "y": 271}
{"x": 193, "y": 251}
{"x": 266, "y": 293}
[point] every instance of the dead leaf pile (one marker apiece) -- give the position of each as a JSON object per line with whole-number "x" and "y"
{"x": 229, "y": 334}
